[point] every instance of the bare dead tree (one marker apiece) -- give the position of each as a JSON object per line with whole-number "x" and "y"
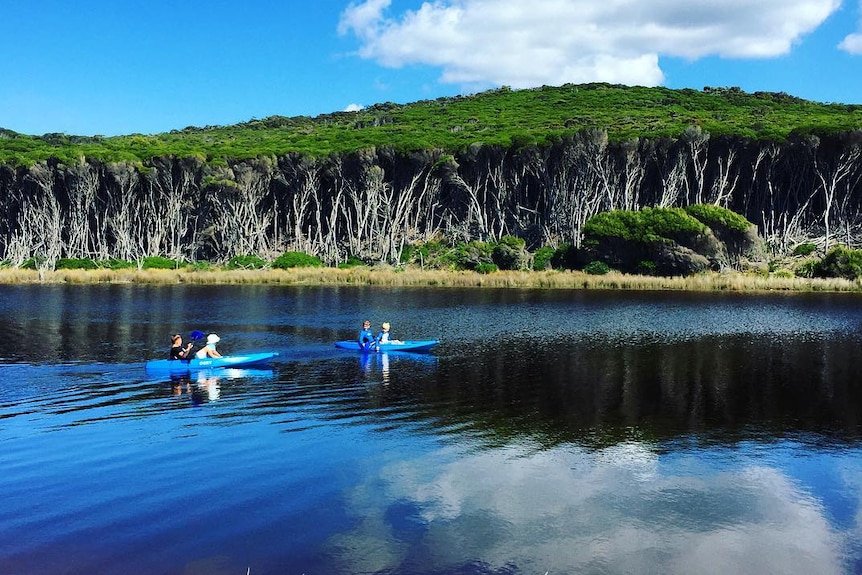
{"x": 247, "y": 212}
{"x": 727, "y": 173}
{"x": 122, "y": 213}
{"x": 672, "y": 165}
{"x": 41, "y": 218}
{"x": 633, "y": 169}
{"x": 697, "y": 147}
{"x": 836, "y": 173}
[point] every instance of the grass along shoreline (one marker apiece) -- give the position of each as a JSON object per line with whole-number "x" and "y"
{"x": 394, "y": 277}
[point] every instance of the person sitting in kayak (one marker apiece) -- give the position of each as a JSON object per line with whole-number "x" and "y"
{"x": 177, "y": 349}
{"x": 384, "y": 336}
{"x": 366, "y": 336}
{"x": 209, "y": 350}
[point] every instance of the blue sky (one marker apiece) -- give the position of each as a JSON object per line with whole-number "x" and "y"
{"x": 128, "y": 66}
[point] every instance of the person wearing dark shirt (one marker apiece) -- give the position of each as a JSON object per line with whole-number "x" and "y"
{"x": 177, "y": 349}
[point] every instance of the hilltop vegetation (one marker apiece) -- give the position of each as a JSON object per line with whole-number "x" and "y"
{"x": 498, "y": 117}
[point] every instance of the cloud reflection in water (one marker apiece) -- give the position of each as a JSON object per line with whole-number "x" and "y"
{"x": 616, "y": 510}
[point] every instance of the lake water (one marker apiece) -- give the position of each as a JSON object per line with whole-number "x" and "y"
{"x": 550, "y": 432}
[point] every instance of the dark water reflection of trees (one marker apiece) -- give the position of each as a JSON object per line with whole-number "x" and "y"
{"x": 719, "y": 387}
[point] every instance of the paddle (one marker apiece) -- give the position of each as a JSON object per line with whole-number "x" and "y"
{"x": 194, "y": 336}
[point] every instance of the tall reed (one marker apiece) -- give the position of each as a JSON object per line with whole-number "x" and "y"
{"x": 366, "y": 276}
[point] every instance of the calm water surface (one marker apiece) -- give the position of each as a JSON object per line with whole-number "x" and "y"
{"x": 550, "y": 432}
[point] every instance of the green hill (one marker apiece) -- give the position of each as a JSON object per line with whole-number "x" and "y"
{"x": 497, "y": 117}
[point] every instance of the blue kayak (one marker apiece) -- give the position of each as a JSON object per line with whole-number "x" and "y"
{"x": 408, "y": 345}
{"x": 182, "y": 366}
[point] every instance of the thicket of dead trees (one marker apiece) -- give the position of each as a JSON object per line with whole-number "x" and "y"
{"x": 372, "y": 203}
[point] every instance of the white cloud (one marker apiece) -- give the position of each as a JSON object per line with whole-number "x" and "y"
{"x": 353, "y": 107}
{"x": 852, "y": 44}
{"x": 525, "y": 44}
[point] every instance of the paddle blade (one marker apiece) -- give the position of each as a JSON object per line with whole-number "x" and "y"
{"x": 196, "y": 335}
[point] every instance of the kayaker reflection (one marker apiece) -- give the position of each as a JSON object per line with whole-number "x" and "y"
{"x": 178, "y": 351}
{"x": 366, "y": 336}
{"x": 367, "y": 361}
{"x": 204, "y": 388}
{"x": 209, "y": 350}
{"x": 209, "y": 385}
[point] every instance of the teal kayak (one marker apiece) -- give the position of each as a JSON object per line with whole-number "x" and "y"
{"x": 182, "y": 366}
{"x": 407, "y": 345}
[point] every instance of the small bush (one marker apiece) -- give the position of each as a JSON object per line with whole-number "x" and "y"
{"x": 159, "y": 263}
{"x": 202, "y": 267}
{"x": 75, "y": 264}
{"x": 597, "y": 268}
{"x": 353, "y": 262}
{"x": 566, "y": 257}
{"x": 32, "y": 263}
{"x": 117, "y": 264}
{"x": 806, "y": 269}
{"x": 647, "y": 268}
{"x": 542, "y": 258}
{"x": 840, "y": 262}
{"x": 486, "y": 268}
{"x": 805, "y": 249}
{"x": 296, "y": 260}
{"x": 246, "y": 262}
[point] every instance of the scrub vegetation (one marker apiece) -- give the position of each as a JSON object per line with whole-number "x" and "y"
{"x": 502, "y": 117}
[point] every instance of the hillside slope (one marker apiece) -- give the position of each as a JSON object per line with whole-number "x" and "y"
{"x": 499, "y": 117}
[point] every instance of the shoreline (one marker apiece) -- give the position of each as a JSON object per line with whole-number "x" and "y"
{"x": 394, "y": 277}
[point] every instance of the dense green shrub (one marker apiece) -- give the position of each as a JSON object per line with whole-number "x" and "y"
{"x": 647, "y": 225}
{"x": 542, "y": 258}
{"x": 159, "y": 263}
{"x": 75, "y": 264}
{"x": 805, "y": 249}
{"x": 296, "y": 260}
{"x": 840, "y": 262}
{"x": 597, "y": 268}
{"x": 246, "y": 262}
{"x": 434, "y": 253}
{"x": 509, "y": 253}
{"x": 715, "y": 216}
{"x": 468, "y": 256}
